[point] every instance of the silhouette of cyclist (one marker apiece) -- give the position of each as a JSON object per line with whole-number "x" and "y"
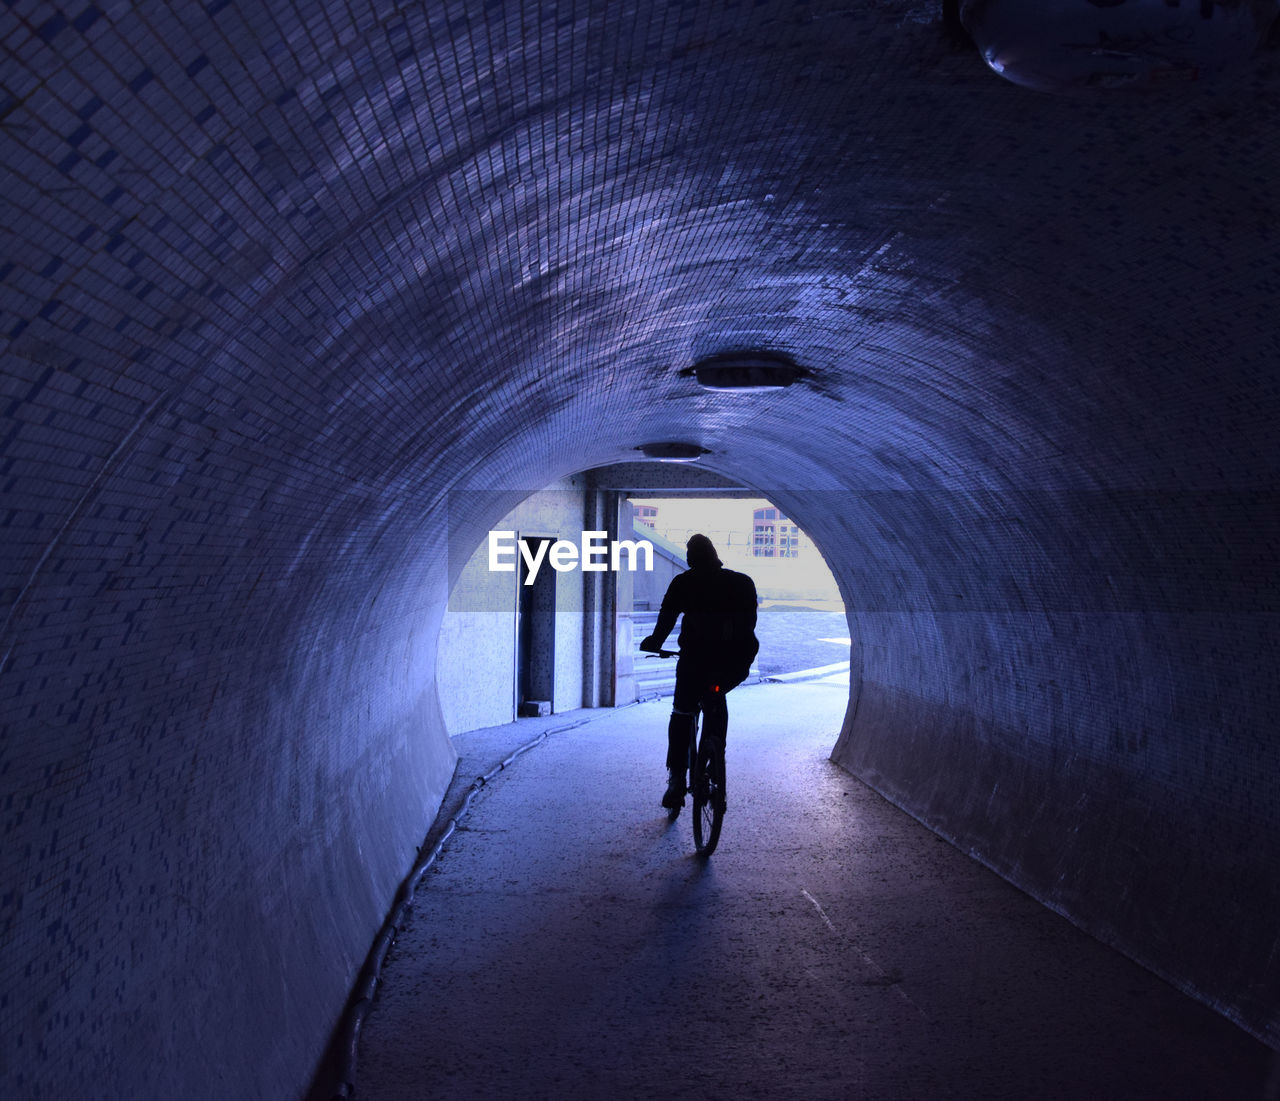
{"x": 717, "y": 646}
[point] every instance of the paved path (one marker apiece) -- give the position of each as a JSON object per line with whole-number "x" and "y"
{"x": 568, "y": 944}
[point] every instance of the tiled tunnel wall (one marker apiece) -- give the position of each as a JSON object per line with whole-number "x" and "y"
{"x": 278, "y": 278}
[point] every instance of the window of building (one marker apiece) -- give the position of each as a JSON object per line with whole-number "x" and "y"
{"x": 773, "y": 535}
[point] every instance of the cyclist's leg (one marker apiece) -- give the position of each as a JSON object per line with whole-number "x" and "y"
{"x": 715, "y": 731}
{"x": 715, "y": 708}
{"x": 679, "y": 731}
{"x": 715, "y": 713}
{"x": 684, "y": 710}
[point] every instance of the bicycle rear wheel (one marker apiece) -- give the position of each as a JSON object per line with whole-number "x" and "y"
{"x": 708, "y": 796}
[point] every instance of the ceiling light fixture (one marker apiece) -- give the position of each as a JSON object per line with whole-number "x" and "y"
{"x": 672, "y": 451}
{"x": 1077, "y": 47}
{"x": 740, "y": 372}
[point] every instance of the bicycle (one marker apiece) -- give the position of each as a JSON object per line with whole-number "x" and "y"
{"x": 706, "y": 782}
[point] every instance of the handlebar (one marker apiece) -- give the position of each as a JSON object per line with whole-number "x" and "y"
{"x": 662, "y": 653}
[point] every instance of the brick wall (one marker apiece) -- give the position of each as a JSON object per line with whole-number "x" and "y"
{"x": 276, "y": 278}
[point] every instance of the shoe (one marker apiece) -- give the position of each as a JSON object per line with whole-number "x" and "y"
{"x": 673, "y": 797}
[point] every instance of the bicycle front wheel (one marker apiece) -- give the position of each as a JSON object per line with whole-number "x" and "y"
{"x": 708, "y": 798}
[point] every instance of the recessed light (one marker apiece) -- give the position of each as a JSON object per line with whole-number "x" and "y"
{"x": 1106, "y": 46}
{"x": 745, "y": 371}
{"x": 672, "y": 451}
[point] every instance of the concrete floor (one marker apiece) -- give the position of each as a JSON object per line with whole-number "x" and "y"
{"x": 568, "y": 944}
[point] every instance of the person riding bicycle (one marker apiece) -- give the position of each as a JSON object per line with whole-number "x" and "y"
{"x": 717, "y": 646}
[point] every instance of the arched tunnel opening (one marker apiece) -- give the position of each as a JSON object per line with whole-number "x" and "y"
{"x": 296, "y": 303}
{"x": 530, "y": 631}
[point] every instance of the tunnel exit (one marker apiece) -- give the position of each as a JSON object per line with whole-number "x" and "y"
{"x": 519, "y": 641}
{"x": 801, "y": 622}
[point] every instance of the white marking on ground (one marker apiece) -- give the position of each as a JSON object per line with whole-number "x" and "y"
{"x": 895, "y": 983}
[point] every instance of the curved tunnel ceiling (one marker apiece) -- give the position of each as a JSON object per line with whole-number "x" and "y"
{"x": 530, "y": 255}
{"x": 279, "y": 278}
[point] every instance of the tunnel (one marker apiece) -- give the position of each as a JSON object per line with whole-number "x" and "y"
{"x": 298, "y": 300}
